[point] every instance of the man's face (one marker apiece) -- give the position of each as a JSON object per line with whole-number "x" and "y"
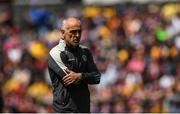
{"x": 72, "y": 36}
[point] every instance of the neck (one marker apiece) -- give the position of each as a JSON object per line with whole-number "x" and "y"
{"x": 71, "y": 48}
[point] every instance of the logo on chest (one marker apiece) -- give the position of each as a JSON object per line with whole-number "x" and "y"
{"x": 84, "y": 58}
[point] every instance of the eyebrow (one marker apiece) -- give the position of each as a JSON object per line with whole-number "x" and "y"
{"x": 75, "y": 29}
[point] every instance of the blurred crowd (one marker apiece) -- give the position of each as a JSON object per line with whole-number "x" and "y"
{"x": 136, "y": 48}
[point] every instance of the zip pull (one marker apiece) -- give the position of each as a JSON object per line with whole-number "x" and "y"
{"x": 80, "y": 65}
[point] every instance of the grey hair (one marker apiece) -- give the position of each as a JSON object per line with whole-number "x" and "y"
{"x": 64, "y": 25}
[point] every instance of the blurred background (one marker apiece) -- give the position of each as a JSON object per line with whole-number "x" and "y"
{"x": 135, "y": 44}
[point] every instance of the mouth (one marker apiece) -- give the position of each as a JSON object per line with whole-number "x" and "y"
{"x": 76, "y": 41}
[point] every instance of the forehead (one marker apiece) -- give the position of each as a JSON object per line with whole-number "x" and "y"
{"x": 73, "y": 24}
{"x": 74, "y": 28}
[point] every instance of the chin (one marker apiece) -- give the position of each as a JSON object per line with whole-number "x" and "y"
{"x": 75, "y": 45}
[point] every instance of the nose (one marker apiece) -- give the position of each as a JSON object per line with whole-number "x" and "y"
{"x": 77, "y": 34}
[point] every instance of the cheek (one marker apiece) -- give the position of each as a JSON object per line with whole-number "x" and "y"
{"x": 69, "y": 38}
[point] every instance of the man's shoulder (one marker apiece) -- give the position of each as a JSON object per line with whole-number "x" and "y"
{"x": 84, "y": 47}
{"x": 57, "y": 49}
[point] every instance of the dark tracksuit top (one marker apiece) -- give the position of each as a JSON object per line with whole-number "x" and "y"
{"x": 74, "y": 97}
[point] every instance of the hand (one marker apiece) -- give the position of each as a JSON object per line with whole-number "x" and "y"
{"x": 71, "y": 77}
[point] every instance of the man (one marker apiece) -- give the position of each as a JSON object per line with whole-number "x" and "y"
{"x": 71, "y": 68}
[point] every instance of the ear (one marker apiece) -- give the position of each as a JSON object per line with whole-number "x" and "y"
{"x": 62, "y": 33}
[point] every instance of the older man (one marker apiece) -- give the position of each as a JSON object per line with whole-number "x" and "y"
{"x": 71, "y": 68}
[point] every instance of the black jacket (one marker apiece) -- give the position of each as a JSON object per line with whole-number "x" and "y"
{"x": 75, "y": 97}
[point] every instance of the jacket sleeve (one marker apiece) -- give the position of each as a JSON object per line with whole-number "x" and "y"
{"x": 56, "y": 65}
{"x": 92, "y": 76}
